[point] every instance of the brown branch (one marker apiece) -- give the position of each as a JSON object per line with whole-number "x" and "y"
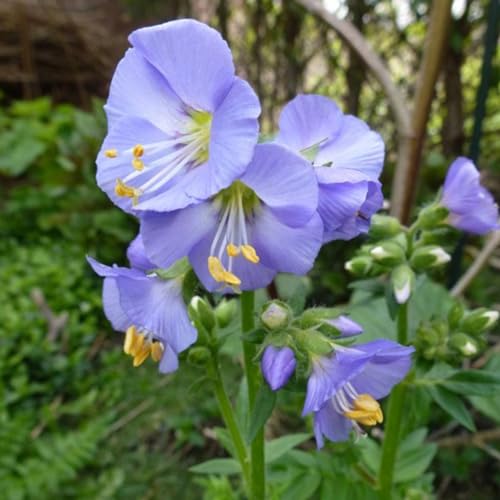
{"x": 477, "y": 439}
{"x": 358, "y": 44}
{"x": 406, "y": 175}
{"x": 481, "y": 260}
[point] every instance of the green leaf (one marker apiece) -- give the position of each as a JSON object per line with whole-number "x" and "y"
{"x": 413, "y": 457}
{"x": 304, "y": 486}
{"x": 474, "y": 383}
{"x": 224, "y": 439}
{"x": 264, "y": 405}
{"x": 453, "y": 405}
{"x": 278, "y": 447}
{"x": 224, "y": 466}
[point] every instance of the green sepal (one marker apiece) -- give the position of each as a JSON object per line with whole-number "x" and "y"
{"x": 178, "y": 268}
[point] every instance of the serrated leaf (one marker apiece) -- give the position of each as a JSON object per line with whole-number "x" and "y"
{"x": 453, "y": 405}
{"x": 264, "y": 405}
{"x": 223, "y": 466}
{"x": 278, "y": 447}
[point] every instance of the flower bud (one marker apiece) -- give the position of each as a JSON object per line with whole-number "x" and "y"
{"x": 384, "y": 226}
{"x": 359, "y": 266}
{"x": 432, "y": 216}
{"x": 403, "y": 281}
{"x": 224, "y": 312}
{"x": 313, "y": 342}
{"x": 479, "y": 321}
{"x": 345, "y": 326}
{"x": 464, "y": 344}
{"x": 278, "y": 365}
{"x": 276, "y": 315}
{"x": 201, "y": 311}
{"x": 388, "y": 253}
{"x": 198, "y": 356}
{"x": 455, "y": 315}
{"x": 429, "y": 256}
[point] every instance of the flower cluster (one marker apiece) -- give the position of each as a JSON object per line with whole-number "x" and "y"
{"x": 343, "y": 382}
{"x": 182, "y": 155}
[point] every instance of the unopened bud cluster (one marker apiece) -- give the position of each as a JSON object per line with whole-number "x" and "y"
{"x": 400, "y": 252}
{"x": 461, "y": 336}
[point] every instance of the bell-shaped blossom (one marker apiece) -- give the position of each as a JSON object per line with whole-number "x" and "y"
{"x": 150, "y": 310}
{"x": 343, "y": 388}
{"x": 348, "y": 158}
{"x": 471, "y": 206}
{"x": 181, "y": 125}
{"x": 278, "y": 365}
{"x": 265, "y": 222}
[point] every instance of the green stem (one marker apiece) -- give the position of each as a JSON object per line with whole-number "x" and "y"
{"x": 252, "y": 372}
{"x": 229, "y": 419}
{"x": 394, "y": 414}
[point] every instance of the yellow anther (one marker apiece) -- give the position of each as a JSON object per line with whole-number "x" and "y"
{"x": 138, "y": 150}
{"x": 219, "y": 273}
{"x": 130, "y": 339}
{"x": 142, "y": 354}
{"x": 366, "y": 411}
{"x": 157, "y": 351}
{"x": 137, "y": 344}
{"x": 231, "y": 279}
{"x": 111, "y": 153}
{"x": 216, "y": 269}
{"x": 121, "y": 189}
{"x": 248, "y": 251}
{"x": 138, "y": 164}
{"x": 232, "y": 250}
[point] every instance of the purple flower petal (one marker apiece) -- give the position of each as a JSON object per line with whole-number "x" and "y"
{"x": 388, "y": 365}
{"x": 308, "y": 120}
{"x": 328, "y": 422}
{"x": 346, "y": 326}
{"x": 193, "y": 58}
{"x": 340, "y": 207}
{"x": 170, "y": 236}
{"x": 158, "y": 307}
{"x": 286, "y": 249}
{"x": 136, "y": 255}
{"x": 169, "y": 361}
{"x": 355, "y": 147}
{"x": 112, "y": 306}
{"x": 278, "y": 365}
{"x": 139, "y": 90}
{"x": 125, "y": 134}
{"x": 472, "y": 208}
{"x": 285, "y": 182}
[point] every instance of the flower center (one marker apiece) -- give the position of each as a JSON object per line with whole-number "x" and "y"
{"x": 237, "y": 204}
{"x": 360, "y": 408}
{"x": 140, "y": 345}
{"x": 154, "y": 165}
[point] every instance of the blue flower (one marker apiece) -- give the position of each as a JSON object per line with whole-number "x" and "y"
{"x": 264, "y": 223}
{"x": 278, "y": 365}
{"x": 471, "y": 206}
{"x": 181, "y": 125}
{"x": 348, "y": 158}
{"x": 150, "y": 310}
{"x": 343, "y": 388}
